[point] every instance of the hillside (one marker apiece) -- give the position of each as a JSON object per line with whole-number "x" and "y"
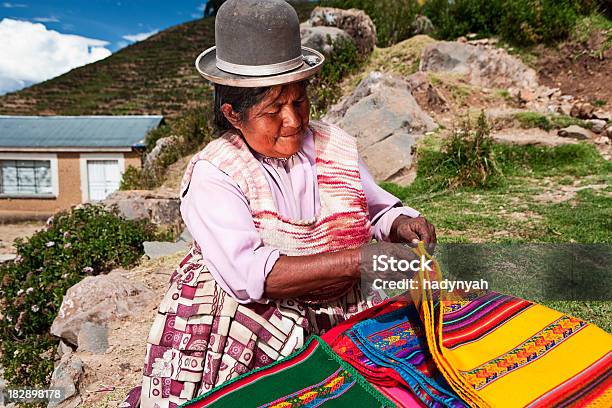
{"x": 154, "y": 76}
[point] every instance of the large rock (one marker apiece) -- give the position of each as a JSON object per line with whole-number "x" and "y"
{"x": 576, "y": 132}
{"x": 355, "y": 22}
{"x": 160, "y": 145}
{"x": 98, "y": 300}
{"x": 322, "y": 38}
{"x": 386, "y": 120}
{"x": 159, "y": 207}
{"x": 67, "y": 376}
{"x": 484, "y": 66}
{"x": 93, "y": 338}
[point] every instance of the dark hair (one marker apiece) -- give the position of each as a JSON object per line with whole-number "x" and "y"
{"x": 241, "y": 99}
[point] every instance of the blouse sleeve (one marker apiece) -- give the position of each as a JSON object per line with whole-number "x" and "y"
{"x": 218, "y": 217}
{"x": 383, "y": 206}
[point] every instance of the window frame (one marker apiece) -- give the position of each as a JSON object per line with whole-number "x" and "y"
{"x": 50, "y": 157}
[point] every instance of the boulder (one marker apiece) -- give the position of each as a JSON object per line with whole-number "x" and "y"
{"x": 576, "y": 132}
{"x": 602, "y": 115}
{"x": 159, "y": 207}
{"x": 484, "y": 66}
{"x": 93, "y": 338}
{"x": 355, "y": 23}
{"x": 160, "y": 145}
{"x": 386, "y": 120}
{"x": 322, "y": 38}
{"x": 582, "y": 110}
{"x": 99, "y": 299}
{"x": 597, "y": 125}
{"x": 67, "y": 376}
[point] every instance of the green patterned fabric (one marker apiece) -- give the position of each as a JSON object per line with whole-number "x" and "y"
{"x": 311, "y": 377}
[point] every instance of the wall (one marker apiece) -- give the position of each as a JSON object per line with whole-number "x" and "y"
{"x": 69, "y": 183}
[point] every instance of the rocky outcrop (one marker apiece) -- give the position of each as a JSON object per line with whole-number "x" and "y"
{"x": 576, "y": 132}
{"x": 160, "y": 207}
{"x": 355, "y": 23}
{"x": 322, "y": 38}
{"x": 386, "y": 120}
{"x": 98, "y": 300}
{"x": 484, "y": 66}
{"x": 160, "y": 145}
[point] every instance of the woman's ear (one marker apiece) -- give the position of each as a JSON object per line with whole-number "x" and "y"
{"x": 232, "y": 117}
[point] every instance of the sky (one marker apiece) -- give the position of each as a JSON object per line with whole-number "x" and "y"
{"x": 40, "y": 39}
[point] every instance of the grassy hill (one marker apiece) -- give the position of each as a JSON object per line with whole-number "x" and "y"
{"x": 154, "y": 76}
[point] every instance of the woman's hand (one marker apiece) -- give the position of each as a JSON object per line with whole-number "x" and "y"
{"x": 412, "y": 230}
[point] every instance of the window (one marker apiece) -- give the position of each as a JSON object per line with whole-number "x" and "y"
{"x": 26, "y": 177}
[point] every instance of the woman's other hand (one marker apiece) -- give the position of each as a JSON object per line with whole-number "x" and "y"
{"x": 412, "y": 230}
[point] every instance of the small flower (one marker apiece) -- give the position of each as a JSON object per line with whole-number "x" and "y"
{"x": 50, "y": 244}
{"x": 19, "y": 292}
{"x": 66, "y": 234}
{"x": 9, "y": 318}
{"x": 67, "y": 245}
{"x": 29, "y": 290}
{"x": 88, "y": 269}
{"x": 35, "y": 308}
{"x": 65, "y": 275}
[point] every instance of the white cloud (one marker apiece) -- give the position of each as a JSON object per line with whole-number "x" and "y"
{"x": 31, "y": 53}
{"x": 46, "y": 19}
{"x": 139, "y": 36}
{"x": 13, "y": 5}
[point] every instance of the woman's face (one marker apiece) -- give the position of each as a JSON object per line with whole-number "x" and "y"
{"x": 275, "y": 126}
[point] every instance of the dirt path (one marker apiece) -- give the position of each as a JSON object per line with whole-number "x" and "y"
{"x": 8, "y": 233}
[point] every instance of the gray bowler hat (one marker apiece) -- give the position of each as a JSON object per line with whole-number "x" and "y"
{"x": 257, "y": 43}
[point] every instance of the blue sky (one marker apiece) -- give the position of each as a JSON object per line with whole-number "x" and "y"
{"x": 43, "y": 39}
{"x": 108, "y": 20}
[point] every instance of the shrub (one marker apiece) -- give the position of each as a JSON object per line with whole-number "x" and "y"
{"x": 529, "y": 22}
{"x": 324, "y": 89}
{"x": 521, "y": 22}
{"x": 392, "y": 18}
{"x": 192, "y": 130}
{"x": 467, "y": 159}
{"x": 83, "y": 241}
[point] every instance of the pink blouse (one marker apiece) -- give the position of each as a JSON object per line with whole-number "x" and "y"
{"x": 218, "y": 216}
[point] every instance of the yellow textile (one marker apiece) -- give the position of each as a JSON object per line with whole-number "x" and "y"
{"x": 537, "y": 357}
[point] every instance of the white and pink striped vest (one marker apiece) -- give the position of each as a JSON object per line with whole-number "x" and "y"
{"x": 343, "y": 220}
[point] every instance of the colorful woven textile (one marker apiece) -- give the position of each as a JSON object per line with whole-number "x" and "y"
{"x": 499, "y": 351}
{"x": 396, "y": 340}
{"x": 310, "y": 377}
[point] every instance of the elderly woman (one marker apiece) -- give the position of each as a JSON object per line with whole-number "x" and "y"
{"x": 279, "y": 207}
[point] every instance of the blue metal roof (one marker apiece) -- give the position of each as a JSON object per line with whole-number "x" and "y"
{"x": 75, "y": 131}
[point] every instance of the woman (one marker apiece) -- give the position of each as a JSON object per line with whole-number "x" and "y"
{"x": 280, "y": 208}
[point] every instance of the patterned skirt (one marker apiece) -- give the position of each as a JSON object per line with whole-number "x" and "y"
{"x": 202, "y": 337}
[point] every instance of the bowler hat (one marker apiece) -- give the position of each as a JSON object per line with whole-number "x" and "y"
{"x": 257, "y": 43}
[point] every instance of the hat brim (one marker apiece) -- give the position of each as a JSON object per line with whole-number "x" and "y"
{"x": 206, "y": 64}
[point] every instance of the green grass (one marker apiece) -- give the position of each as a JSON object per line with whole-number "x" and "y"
{"x": 548, "y": 122}
{"x": 549, "y": 195}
